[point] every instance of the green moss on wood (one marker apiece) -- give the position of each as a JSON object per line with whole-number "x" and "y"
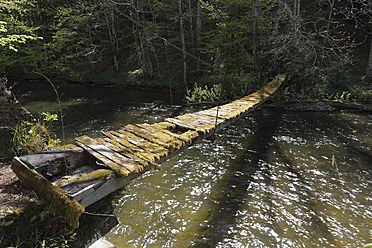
{"x": 52, "y": 196}
{"x": 100, "y": 174}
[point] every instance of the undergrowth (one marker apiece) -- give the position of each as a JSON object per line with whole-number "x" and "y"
{"x": 38, "y": 240}
{"x": 199, "y": 94}
{"x": 33, "y": 137}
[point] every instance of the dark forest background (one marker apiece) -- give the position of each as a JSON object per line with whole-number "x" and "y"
{"x": 324, "y": 46}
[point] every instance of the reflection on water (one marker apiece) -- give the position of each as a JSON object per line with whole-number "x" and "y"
{"x": 269, "y": 180}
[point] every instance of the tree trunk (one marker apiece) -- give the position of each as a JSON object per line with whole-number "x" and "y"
{"x": 110, "y": 23}
{"x": 198, "y": 32}
{"x": 183, "y": 42}
{"x": 278, "y": 16}
{"x": 141, "y": 40}
{"x": 191, "y": 24}
{"x": 115, "y": 44}
{"x": 328, "y": 26}
{"x": 256, "y": 30}
{"x": 297, "y": 7}
{"x": 369, "y": 67}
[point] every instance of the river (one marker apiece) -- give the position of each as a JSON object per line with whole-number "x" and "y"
{"x": 275, "y": 178}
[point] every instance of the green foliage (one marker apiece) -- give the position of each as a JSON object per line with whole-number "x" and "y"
{"x": 135, "y": 76}
{"x": 370, "y": 244}
{"x": 81, "y": 37}
{"x": 38, "y": 240}
{"x": 199, "y": 94}
{"x": 284, "y": 94}
{"x": 33, "y": 137}
{"x": 10, "y": 40}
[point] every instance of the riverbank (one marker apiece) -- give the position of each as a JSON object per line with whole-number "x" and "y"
{"x": 26, "y": 222}
{"x": 13, "y": 195}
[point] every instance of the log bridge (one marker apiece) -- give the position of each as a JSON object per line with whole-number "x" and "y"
{"x": 76, "y": 176}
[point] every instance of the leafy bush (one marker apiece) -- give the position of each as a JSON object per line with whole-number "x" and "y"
{"x": 33, "y": 137}
{"x": 198, "y": 94}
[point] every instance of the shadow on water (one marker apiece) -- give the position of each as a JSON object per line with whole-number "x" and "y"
{"x": 306, "y": 197}
{"x": 233, "y": 191}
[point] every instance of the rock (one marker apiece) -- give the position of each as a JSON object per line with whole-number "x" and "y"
{"x": 102, "y": 243}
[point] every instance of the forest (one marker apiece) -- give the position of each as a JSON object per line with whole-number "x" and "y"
{"x": 324, "y": 46}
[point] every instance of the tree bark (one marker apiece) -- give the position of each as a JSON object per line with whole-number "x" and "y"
{"x": 110, "y": 22}
{"x": 183, "y": 42}
{"x": 278, "y": 16}
{"x": 256, "y": 30}
{"x": 369, "y": 67}
{"x": 141, "y": 40}
{"x": 191, "y": 25}
{"x": 297, "y": 7}
{"x": 198, "y": 32}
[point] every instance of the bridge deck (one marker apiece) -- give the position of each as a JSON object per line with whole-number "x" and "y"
{"x": 135, "y": 147}
{"x": 70, "y": 180}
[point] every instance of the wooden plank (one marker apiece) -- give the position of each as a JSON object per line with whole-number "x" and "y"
{"x": 197, "y": 123}
{"x": 84, "y": 176}
{"x": 115, "y": 146}
{"x": 191, "y": 136}
{"x": 180, "y": 123}
{"x": 152, "y": 136}
{"x": 52, "y": 162}
{"x": 96, "y": 192}
{"x": 168, "y": 132}
{"x": 211, "y": 113}
{"x": 122, "y": 139}
{"x": 200, "y": 123}
{"x": 165, "y": 135}
{"x": 106, "y": 156}
{"x": 211, "y": 120}
{"x": 164, "y": 125}
{"x": 146, "y": 145}
{"x": 111, "y": 154}
{"x": 117, "y": 137}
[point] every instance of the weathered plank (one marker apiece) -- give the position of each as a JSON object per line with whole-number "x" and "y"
{"x": 95, "y": 192}
{"x": 150, "y": 147}
{"x": 167, "y": 132}
{"x": 53, "y": 162}
{"x": 196, "y": 122}
{"x": 117, "y": 137}
{"x": 53, "y": 196}
{"x": 117, "y": 147}
{"x": 182, "y": 124}
{"x": 164, "y": 125}
{"x": 154, "y": 137}
{"x": 106, "y": 156}
{"x": 164, "y": 135}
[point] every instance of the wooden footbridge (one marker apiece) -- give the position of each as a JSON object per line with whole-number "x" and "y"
{"x": 75, "y": 177}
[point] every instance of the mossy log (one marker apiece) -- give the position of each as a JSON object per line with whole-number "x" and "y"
{"x": 53, "y": 196}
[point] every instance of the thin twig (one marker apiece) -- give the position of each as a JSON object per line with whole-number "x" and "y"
{"x": 103, "y": 215}
{"x": 61, "y": 114}
{"x": 334, "y": 164}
